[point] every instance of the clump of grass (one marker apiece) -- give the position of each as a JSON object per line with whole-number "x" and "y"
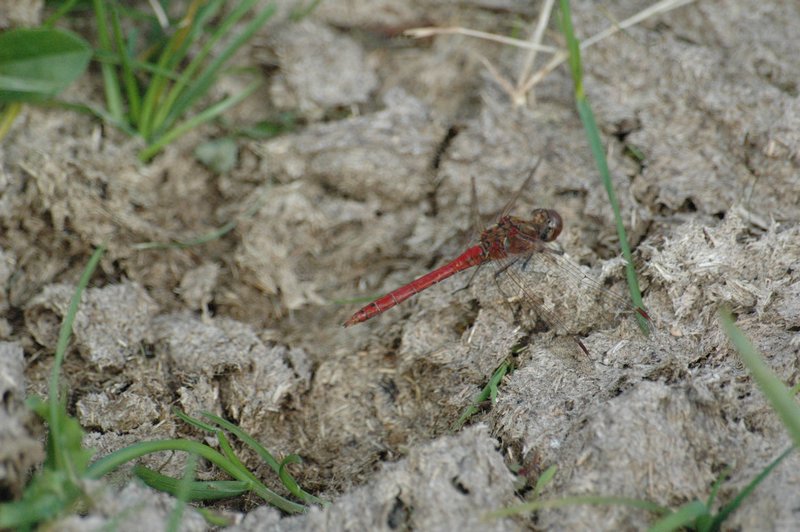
{"x": 59, "y": 486}
{"x": 150, "y": 96}
{"x": 149, "y": 93}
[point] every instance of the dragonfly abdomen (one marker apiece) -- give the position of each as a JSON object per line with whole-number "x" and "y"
{"x": 472, "y": 257}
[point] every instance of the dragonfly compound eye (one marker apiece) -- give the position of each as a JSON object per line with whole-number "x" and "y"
{"x": 549, "y": 223}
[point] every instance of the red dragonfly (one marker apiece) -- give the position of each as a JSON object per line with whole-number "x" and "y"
{"x": 506, "y": 242}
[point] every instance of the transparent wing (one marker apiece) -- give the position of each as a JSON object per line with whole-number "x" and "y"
{"x": 565, "y": 296}
{"x": 613, "y": 304}
{"x": 511, "y": 202}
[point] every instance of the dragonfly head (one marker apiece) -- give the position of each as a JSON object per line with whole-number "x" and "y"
{"x": 548, "y": 224}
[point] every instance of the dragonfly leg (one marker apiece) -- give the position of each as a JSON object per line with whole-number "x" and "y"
{"x": 507, "y": 265}
{"x": 469, "y": 281}
{"x": 543, "y": 249}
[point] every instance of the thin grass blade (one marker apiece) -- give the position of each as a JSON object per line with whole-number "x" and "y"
{"x": 574, "y": 501}
{"x": 490, "y": 390}
{"x": 111, "y": 84}
{"x": 199, "y": 491}
{"x": 128, "y": 77}
{"x": 291, "y": 484}
{"x": 596, "y": 145}
{"x": 60, "y": 446}
{"x": 247, "y": 439}
{"x": 183, "y": 490}
{"x": 777, "y": 393}
{"x": 683, "y": 517}
{"x": 752, "y": 485}
{"x": 544, "y": 479}
{"x": 196, "y": 423}
{"x": 174, "y": 51}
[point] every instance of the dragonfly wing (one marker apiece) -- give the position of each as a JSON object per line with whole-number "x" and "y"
{"x": 605, "y": 305}
{"x": 522, "y": 285}
{"x": 525, "y": 184}
{"x": 563, "y": 295}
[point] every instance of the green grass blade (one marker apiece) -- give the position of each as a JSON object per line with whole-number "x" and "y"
{"x": 122, "y": 456}
{"x": 173, "y": 53}
{"x": 118, "y": 458}
{"x": 136, "y": 64}
{"x": 183, "y": 490}
{"x": 596, "y": 146}
{"x": 593, "y": 134}
{"x": 99, "y": 113}
{"x": 23, "y": 514}
{"x": 215, "y": 518}
{"x": 717, "y": 485}
{"x": 62, "y": 10}
{"x": 196, "y": 423}
{"x": 291, "y": 484}
{"x": 288, "y": 481}
{"x": 752, "y": 485}
{"x": 257, "y": 486}
{"x": 544, "y": 479}
{"x": 182, "y": 244}
{"x": 573, "y": 501}
{"x": 177, "y": 51}
{"x": 300, "y": 12}
{"x": 227, "y": 450}
{"x": 683, "y": 517}
{"x": 202, "y": 239}
{"x": 778, "y": 395}
{"x": 58, "y": 484}
{"x": 111, "y": 84}
{"x": 7, "y": 117}
{"x": 211, "y": 490}
{"x": 61, "y": 447}
{"x": 128, "y": 77}
{"x": 573, "y": 47}
{"x": 247, "y": 439}
{"x": 199, "y": 14}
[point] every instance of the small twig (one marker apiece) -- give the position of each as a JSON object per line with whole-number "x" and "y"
{"x": 536, "y": 38}
{"x": 498, "y": 77}
{"x": 419, "y": 33}
{"x": 655, "y": 9}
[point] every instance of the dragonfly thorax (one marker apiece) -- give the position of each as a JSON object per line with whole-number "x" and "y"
{"x": 515, "y": 236}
